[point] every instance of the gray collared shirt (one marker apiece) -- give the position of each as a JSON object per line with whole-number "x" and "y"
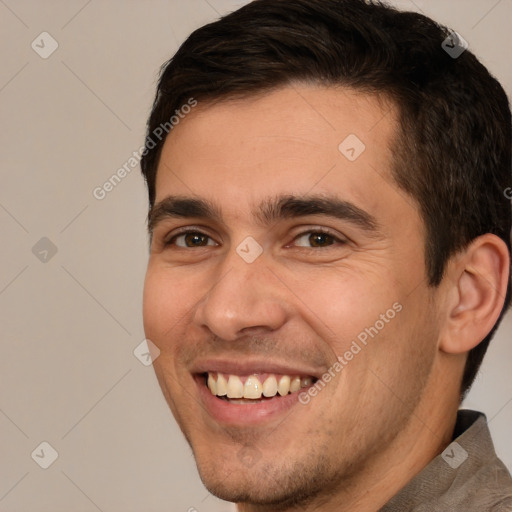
{"x": 467, "y": 477}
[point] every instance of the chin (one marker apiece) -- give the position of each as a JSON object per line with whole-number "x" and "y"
{"x": 267, "y": 483}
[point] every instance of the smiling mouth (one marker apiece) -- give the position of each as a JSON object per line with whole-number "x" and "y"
{"x": 255, "y": 388}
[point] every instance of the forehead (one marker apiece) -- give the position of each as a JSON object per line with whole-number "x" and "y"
{"x": 296, "y": 140}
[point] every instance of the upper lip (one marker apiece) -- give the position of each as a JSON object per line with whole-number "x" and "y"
{"x": 253, "y": 366}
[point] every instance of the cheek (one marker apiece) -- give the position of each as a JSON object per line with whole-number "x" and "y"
{"x": 341, "y": 304}
{"x": 164, "y": 303}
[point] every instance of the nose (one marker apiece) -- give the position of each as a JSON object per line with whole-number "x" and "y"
{"x": 245, "y": 299}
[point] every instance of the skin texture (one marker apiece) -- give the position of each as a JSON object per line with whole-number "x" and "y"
{"x": 393, "y": 406}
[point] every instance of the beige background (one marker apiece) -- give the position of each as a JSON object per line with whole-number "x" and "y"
{"x": 69, "y": 325}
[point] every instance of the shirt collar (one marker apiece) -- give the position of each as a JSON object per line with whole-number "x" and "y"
{"x": 468, "y": 463}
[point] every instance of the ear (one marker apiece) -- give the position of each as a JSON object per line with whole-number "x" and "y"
{"x": 477, "y": 281}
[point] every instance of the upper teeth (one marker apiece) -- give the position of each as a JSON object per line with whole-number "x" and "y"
{"x": 233, "y": 387}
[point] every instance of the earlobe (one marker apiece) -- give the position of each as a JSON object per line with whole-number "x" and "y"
{"x": 479, "y": 279}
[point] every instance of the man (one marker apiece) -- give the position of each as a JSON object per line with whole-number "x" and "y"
{"x": 330, "y": 256}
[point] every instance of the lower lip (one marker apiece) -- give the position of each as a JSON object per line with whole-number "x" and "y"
{"x": 245, "y": 414}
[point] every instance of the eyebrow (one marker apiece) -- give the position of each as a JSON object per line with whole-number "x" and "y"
{"x": 269, "y": 211}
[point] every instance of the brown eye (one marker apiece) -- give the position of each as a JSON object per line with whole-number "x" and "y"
{"x": 191, "y": 239}
{"x": 320, "y": 239}
{"x": 316, "y": 239}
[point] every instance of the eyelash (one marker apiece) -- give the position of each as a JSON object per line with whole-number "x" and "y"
{"x": 187, "y": 231}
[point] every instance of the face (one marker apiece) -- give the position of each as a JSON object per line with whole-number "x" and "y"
{"x": 287, "y": 276}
